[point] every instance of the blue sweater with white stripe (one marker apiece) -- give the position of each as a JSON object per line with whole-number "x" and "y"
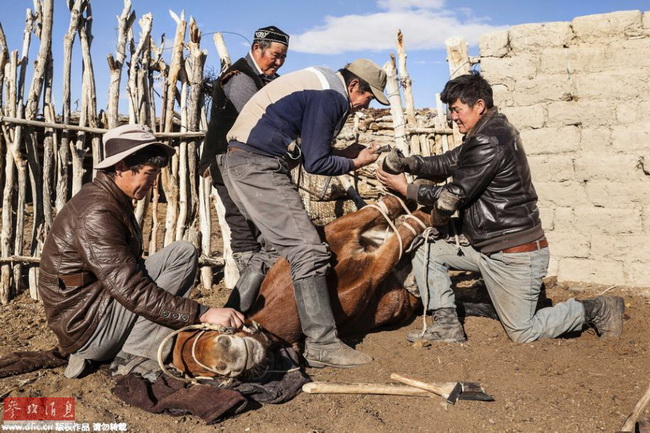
{"x": 311, "y": 104}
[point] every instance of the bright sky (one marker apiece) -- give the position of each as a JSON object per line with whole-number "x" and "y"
{"x": 328, "y": 33}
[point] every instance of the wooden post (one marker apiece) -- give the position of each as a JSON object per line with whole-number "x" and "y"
{"x": 441, "y": 122}
{"x": 205, "y": 218}
{"x": 230, "y": 271}
{"x": 396, "y": 111}
{"x": 137, "y": 62}
{"x": 115, "y": 65}
{"x": 458, "y": 59}
{"x": 405, "y": 79}
{"x": 4, "y": 59}
{"x": 457, "y": 56}
{"x": 6, "y": 238}
{"x": 45, "y": 8}
{"x": 66, "y": 142}
{"x": 195, "y": 77}
{"x": 137, "y": 97}
{"x": 21, "y": 166}
{"x": 170, "y": 174}
{"x": 183, "y": 173}
{"x": 222, "y": 51}
{"x": 88, "y": 91}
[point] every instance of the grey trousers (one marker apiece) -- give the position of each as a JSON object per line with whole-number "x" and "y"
{"x": 513, "y": 282}
{"x": 173, "y": 269}
{"x": 250, "y": 250}
{"x": 262, "y": 189}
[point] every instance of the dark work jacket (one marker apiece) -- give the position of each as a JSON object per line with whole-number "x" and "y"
{"x": 96, "y": 235}
{"x": 223, "y": 114}
{"x": 492, "y": 180}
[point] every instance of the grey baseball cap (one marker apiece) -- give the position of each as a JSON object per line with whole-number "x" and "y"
{"x": 125, "y": 140}
{"x": 368, "y": 71}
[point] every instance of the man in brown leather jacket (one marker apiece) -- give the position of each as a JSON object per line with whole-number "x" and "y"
{"x": 102, "y": 300}
{"x": 494, "y": 194}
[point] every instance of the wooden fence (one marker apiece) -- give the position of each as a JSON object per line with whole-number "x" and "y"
{"x": 48, "y": 156}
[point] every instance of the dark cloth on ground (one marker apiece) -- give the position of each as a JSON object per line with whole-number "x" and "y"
{"x": 281, "y": 384}
{"x": 210, "y": 400}
{"x": 25, "y": 362}
{"x": 173, "y": 397}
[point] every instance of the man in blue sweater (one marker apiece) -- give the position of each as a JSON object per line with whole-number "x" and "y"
{"x": 296, "y": 118}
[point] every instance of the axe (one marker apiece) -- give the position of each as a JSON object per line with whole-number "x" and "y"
{"x": 452, "y": 391}
{"x": 388, "y": 389}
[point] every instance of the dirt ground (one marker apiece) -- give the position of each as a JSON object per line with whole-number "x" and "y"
{"x": 574, "y": 384}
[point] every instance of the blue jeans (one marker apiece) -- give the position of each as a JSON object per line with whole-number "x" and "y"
{"x": 513, "y": 282}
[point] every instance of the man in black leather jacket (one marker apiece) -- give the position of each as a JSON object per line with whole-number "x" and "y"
{"x": 493, "y": 192}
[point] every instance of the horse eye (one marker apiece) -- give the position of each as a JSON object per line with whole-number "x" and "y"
{"x": 224, "y": 341}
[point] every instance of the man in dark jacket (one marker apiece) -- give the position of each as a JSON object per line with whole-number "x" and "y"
{"x": 493, "y": 191}
{"x": 231, "y": 92}
{"x": 100, "y": 297}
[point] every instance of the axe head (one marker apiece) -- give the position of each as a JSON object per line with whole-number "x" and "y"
{"x": 455, "y": 393}
{"x": 471, "y": 391}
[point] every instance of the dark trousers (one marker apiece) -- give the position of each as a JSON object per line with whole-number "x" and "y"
{"x": 243, "y": 233}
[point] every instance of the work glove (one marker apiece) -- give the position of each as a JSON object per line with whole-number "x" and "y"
{"x": 395, "y": 162}
{"x": 445, "y": 206}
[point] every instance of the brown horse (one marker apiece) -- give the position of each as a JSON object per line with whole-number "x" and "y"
{"x": 365, "y": 292}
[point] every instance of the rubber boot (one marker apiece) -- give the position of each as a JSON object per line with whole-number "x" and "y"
{"x": 323, "y": 348}
{"x": 245, "y": 292}
{"x": 446, "y": 327}
{"x": 605, "y": 315}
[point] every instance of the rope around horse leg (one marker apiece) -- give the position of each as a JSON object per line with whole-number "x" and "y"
{"x": 425, "y": 275}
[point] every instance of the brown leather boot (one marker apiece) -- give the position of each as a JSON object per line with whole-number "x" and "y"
{"x": 605, "y": 315}
{"x": 446, "y": 327}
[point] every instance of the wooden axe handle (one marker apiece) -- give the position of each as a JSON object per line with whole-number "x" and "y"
{"x": 630, "y": 422}
{"x": 361, "y": 388}
{"x": 442, "y": 389}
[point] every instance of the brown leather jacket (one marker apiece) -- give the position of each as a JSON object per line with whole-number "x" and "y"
{"x": 92, "y": 257}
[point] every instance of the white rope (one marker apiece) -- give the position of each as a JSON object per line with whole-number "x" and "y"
{"x": 203, "y": 327}
{"x": 425, "y": 275}
{"x": 381, "y": 207}
{"x": 426, "y": 234}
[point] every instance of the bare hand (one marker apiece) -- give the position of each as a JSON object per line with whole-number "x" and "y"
{"x": 396, "y": 182}
{"x": 223, "y": 316}
{"x": 366, "y": 156}
{"x": 350, "y": 152}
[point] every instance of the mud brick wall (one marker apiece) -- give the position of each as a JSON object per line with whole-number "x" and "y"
{"x": 579, "y": 93}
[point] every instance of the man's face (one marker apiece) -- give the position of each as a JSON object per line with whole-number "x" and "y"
{"x": 466, "y": 117}
{"x": 136, "y": 185}
{"x": 358, "y": 100}
{"x": 270, "y": 59}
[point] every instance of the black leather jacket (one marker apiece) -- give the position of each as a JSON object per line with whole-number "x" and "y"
{"x": 492, "y": 182}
